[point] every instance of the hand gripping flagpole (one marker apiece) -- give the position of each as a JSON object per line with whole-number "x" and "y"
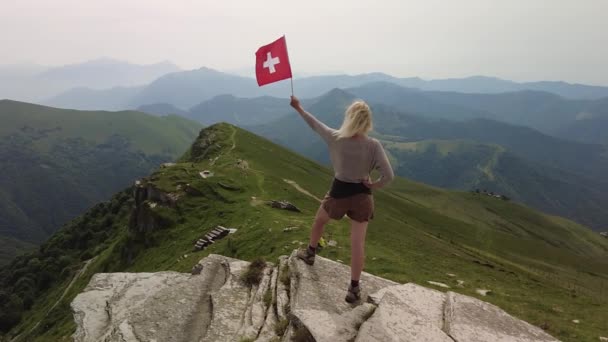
{"x": 289, "y": 61}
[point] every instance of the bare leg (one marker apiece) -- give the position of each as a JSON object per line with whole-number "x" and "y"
{"x": 318, "y": 225}
{"x": 357, "y": 248}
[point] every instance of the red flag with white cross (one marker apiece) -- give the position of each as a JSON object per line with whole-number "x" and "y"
{"x": 272, "y": 62}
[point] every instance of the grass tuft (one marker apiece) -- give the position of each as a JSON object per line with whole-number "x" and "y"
{"x": 253, "y": 275}
{"x": 281, "y": 327}
{"x": 268, "y": 297}
{"x": 284, "y": 277}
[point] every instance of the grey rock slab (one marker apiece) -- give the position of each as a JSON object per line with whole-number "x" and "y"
{"x": 141, "y": 307}
{"x": 329, "y": 327}
{"x": 167, "y": 306}
{"x": 229, "y": 304}
{"x": 470, "y": 319}
{"x": 323, "y": 286}
{"x": 408, "y": 313}
{"x": 89, "y": 307}
{"x": 317, "y": 298}
{"x": 217, "y": 306}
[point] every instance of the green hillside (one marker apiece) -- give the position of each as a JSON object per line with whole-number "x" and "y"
{"x": 592, "y": 130}
{"x": 467, "y": 165}
{"x": 56, "y": 163}
{"x": 544, "y": 269}
{"x": 456, "y": 164}
{"x": 10, "y": 247}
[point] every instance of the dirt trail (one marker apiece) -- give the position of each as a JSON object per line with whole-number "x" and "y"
{"x": 76, "y": 276}
{"x": 233, "y": 139}
{"x": 300, "y": 189}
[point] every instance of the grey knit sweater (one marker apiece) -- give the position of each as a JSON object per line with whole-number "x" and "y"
{"x": 353, "y": 158}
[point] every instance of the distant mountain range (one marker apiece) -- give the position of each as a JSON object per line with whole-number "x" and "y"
{"x": 187, "y": 88}
{"x": 105, "y": 72}
{"x": 117, "y": 98}
{"x": 558, "y": 176}
{"x": 229, "y": 109}
{"x": 575, "y": 112}
{"x": 549, "y": 113}
{"x": 161, "y": 109}
{"x": 56, "y": 163}
{"x": 239, "y": 111}
{"x": 493, "y": 85}
{"x": 35, "y": 83}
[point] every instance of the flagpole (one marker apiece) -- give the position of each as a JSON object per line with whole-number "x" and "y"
{"x": 289, "y": 61}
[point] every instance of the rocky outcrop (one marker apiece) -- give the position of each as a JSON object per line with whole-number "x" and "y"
{"x": 283, "y": 205}
{"x": 207, "y": 144}
{"x": 148, "y": 192}
{"x": 147, "y": 197}
{"x": 291, "y": 301}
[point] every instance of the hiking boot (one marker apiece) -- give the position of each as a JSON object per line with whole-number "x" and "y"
{"x": 353, "y": 294}
{"x": 306, "y": 256}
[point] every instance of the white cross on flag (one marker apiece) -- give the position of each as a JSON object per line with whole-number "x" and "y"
{"x": 272, "y": 62}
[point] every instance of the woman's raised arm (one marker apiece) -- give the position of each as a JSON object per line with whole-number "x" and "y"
{"x": 325, "y": 132}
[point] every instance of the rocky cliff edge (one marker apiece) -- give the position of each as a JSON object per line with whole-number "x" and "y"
{"x": 291, "y": 302}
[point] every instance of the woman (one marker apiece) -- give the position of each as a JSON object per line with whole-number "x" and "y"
{"x": 353, "y": 156}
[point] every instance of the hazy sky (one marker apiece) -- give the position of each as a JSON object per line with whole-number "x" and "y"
{"x": 514, "y": 39}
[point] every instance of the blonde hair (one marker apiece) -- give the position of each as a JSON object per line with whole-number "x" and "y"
{"x": 357, "y": 120}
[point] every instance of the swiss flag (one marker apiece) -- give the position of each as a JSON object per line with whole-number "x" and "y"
{"x": 272, "y": 62}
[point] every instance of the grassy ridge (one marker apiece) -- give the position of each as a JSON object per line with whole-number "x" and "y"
{"x": 540, "y": 268}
